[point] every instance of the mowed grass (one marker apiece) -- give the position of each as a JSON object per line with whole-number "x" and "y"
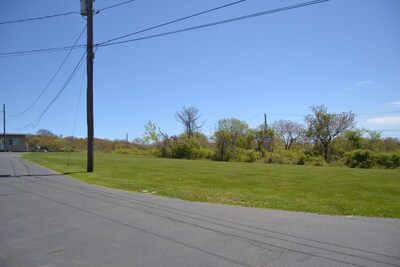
{"x": 323, "y": 190}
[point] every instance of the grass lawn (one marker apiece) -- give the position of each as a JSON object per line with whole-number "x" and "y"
{"x": 324, "y": 190}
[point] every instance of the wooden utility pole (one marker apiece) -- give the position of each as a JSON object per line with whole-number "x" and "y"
{"x": 265, "y": 133}
{"x": 4, "y": 127}
{"x": 89, "y": 97}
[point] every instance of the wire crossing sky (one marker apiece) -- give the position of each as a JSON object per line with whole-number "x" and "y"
{"x": 279, "y": 64}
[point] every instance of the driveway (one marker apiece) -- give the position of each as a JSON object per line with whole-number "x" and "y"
{"x": 48, "y": 219}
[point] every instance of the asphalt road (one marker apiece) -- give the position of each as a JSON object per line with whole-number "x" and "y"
{"x": 47, "y": 219}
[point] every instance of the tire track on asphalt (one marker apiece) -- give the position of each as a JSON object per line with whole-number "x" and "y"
{"x": 209, "y": 222}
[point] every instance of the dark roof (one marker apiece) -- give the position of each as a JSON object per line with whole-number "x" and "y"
{"x": 14, "y": 134}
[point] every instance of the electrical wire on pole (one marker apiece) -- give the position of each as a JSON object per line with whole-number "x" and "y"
{"x": 171, "y": 22}
{"x": 263, "y": 13}
{"x": 60, "y": 14}
{"x": 72, "y": 75}
{"x": 51, "y": 80}
{"x": 59, "y": 49}
{"x": 38, "y": 18}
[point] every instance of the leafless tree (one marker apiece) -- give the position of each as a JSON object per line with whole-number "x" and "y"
{"x": 189, "y": 117}
{"x": 289, "y": 131}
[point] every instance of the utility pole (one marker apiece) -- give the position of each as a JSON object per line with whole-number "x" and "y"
{"x": 87, "y": 10}
{"x": 127, "y": 142}
{"x": 265, "y": 133}
{"x": 4, "y": 127}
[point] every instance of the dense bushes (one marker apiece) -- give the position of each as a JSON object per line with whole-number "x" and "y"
{"x": 296, "y": 157}
{"x": 235, "y": 141}
{"x": 188, "y": 148}
{"x": 364, "y": 158}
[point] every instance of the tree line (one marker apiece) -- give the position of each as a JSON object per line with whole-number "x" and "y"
{"x": 325, "y": 138}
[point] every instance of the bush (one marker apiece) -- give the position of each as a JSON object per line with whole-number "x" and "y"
{"x": 201, "y": 153}
{"x": 187, "y": 148}
{"x": 294, "y": 157}
{"x": 243, "y": 155}
{"x": 122, "y": 151}
{"x": 388, "y": 160}
{"x": 360, "y": 158}
{"x": 364, "y": 158}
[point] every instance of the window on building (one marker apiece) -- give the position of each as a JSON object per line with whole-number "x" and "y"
{"x": 13, "y": 142}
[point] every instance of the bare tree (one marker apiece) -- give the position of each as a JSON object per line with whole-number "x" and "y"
{"x": 189, "y": 117}
{"x": 289, "y": 131}
{"x": 324, "y": 126}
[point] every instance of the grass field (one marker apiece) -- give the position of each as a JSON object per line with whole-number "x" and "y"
{"x": 324, "y": 190}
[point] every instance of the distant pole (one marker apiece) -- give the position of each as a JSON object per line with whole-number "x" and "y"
{"x": 90, "y": 129}
{"x": 265, "y": 133}
{"x": 4, "y": 127}
{"x": 127, "y": 142}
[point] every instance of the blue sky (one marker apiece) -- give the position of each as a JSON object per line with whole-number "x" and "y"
{"x": 341, "y": 53}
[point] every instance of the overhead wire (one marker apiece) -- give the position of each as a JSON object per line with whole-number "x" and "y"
{"x": 64, "y": 48}
{"x": 72, "y": 75}
{"x": 52, "y": 78}
{"x": 116, "y": 5}
{"x": 38, "y": 18}
{"x": 75, "y": 120}
{"x": 40, "y": 51}
{"x": 267, "y": 12}
{"x": 173, "y": 21}
{"x": 61, "y": 14}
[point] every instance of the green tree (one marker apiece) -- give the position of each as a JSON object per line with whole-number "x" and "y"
{"x": 150, "y": 133}
{"x": 324, "y": 127}
{"x": 229, "y": 133}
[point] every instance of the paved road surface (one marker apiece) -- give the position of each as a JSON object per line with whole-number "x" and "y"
{"x": 47, "y": 219}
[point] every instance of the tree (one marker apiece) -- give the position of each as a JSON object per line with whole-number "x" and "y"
{"x": 324, "y": 126}
{"x": 150, "y": 133}
{"x": 189, "y": 117}
{"x": 228, "y": 132}
{"x": 289, "y": 131}
{"x": 45, "y": 132}
{"x": 354, "y": 139}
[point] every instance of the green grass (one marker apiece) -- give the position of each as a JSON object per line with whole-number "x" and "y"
{"x": 323, "y": 190}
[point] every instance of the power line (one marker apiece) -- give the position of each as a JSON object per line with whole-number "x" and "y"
{"x": 38, "y": 18}
{"x": 61, "y": 14}
{"x": 110, "y": 42}
{"x": 52, "y": 79}
{"x": 76, "y": 118}
{"x": 116, "y": 5}
{"x": 40, "y": 51}
{"x": 173, "y": 21}
{"x": 64, "y": 48}
{"x": 378, "y": 113}
{"x": 215, "y": 23}
{"x": 72, "y": 75}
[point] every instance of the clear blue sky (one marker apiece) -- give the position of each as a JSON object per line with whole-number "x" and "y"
{"x": 342, "y": 53}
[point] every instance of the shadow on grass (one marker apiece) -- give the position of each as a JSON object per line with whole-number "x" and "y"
{"x": 68, "y": 173}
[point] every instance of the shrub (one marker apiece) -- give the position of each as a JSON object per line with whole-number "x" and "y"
{"x": 388, "y": 160}
{"x": 294, "y": 157}
{"x": 201, "y": 153}
{"x": 360, "y": 158}
{"x": 122, "y": 151}
{"x": 364, "y": 158}
{"x": 243, "y": 155}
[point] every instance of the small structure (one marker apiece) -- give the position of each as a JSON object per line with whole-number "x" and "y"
{"x": 14, "y": 143}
